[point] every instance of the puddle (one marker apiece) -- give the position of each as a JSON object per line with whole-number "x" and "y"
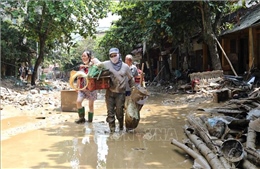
{"x": 68, "y": 145}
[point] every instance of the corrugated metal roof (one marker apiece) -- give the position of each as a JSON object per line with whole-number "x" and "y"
{"x": 248, "y": 20}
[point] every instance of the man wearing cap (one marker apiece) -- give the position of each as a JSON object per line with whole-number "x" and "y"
{"x": 134, "y": 71}
{"x": 115, "y": 95}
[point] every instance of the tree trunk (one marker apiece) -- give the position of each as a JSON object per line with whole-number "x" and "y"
{"x": 38, "y": 61}
{"x": 209, "y": 35}
{"x": 167, "y": 67}
{"x": 149, "y": 67}
{"x": 215, "y": 61}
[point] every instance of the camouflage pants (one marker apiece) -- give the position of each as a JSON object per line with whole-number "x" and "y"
{"x": 115, "y": 106}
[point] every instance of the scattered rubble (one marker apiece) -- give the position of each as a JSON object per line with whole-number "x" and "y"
{"x": 24, "y": 96}
{"x": 223, "y": 137}
{"x": 226, "y": 136}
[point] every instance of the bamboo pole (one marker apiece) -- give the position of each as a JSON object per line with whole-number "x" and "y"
{"x": 197, "y": 157}
{"x": 251, "y": 158}
{"x": 230, "y": 64}
{"x": 205, "y": 151}
{"x": 142, "y": 84}
{"x": 251, "y": 138}
{"x": 158, "y": 74}
{"x": 248, "y": 165}
{"x": 253, "y": 155}
{"x": 202, "y": 131}
{"x": 204, "y": 135}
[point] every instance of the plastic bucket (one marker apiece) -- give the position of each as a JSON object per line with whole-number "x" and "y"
{"x": 232, "y": 150}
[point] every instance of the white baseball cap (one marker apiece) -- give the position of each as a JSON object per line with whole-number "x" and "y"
{"x": 113, "y": 50}
{"x": 129, "y": 57}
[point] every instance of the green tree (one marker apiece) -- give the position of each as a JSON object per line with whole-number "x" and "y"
{"x": 153, "y": 22}
{"x": 14, "y": 47}
{"x": 126, "y": 32}
{"x": 47, "y": 21}
{"x": 173, "y": 22}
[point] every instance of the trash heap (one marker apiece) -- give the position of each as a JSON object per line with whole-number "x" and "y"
{"x": 30, "y": 97}
{"x": 225, "y": 137}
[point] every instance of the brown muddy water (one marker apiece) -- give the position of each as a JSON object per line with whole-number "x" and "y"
{"x": 50, "y": 139}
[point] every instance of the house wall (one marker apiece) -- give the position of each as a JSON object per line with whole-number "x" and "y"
{"x": 236, "y": 50}
{"x": 257, "y": 45}
{"x": 174, "y": 61}
{"x": 242, "y": 41}
{"x": 258, "y": 48}
{"x": 242, "y": 49}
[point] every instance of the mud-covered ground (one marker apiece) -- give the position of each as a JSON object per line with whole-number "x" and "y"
{"x": 46, "y": 137}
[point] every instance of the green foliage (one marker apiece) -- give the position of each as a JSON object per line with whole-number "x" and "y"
{"x": 167, "y": 24}
{"x": 59, "y": 19}
{"x": 14, "y": 48}
{"x": 160, "y": 21}
{"x": 152, "y": 22}
{"x": 53, "y": 22}
{"x": 10, "y": 39}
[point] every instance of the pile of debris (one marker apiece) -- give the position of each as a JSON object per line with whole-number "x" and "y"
{"x": 13, "y": 83}
{"x": 227, "y": 136}
{"x": 31, "y": 99}
{"x": 24, "y": 96}
{"x": 212, "y": 81}
{"x": 207, "y": 83}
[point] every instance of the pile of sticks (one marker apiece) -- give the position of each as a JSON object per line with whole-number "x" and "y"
{"x": 226, "y": 137}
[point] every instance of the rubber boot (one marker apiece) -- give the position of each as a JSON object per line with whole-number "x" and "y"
{"x": 112, "y": 127}
{"x": 90, "y": 116}
{"x": 121, "y": 124}
{"x": 81, "y": 113}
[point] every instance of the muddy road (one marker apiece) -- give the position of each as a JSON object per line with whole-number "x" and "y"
{"x": 48, "y": 138}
